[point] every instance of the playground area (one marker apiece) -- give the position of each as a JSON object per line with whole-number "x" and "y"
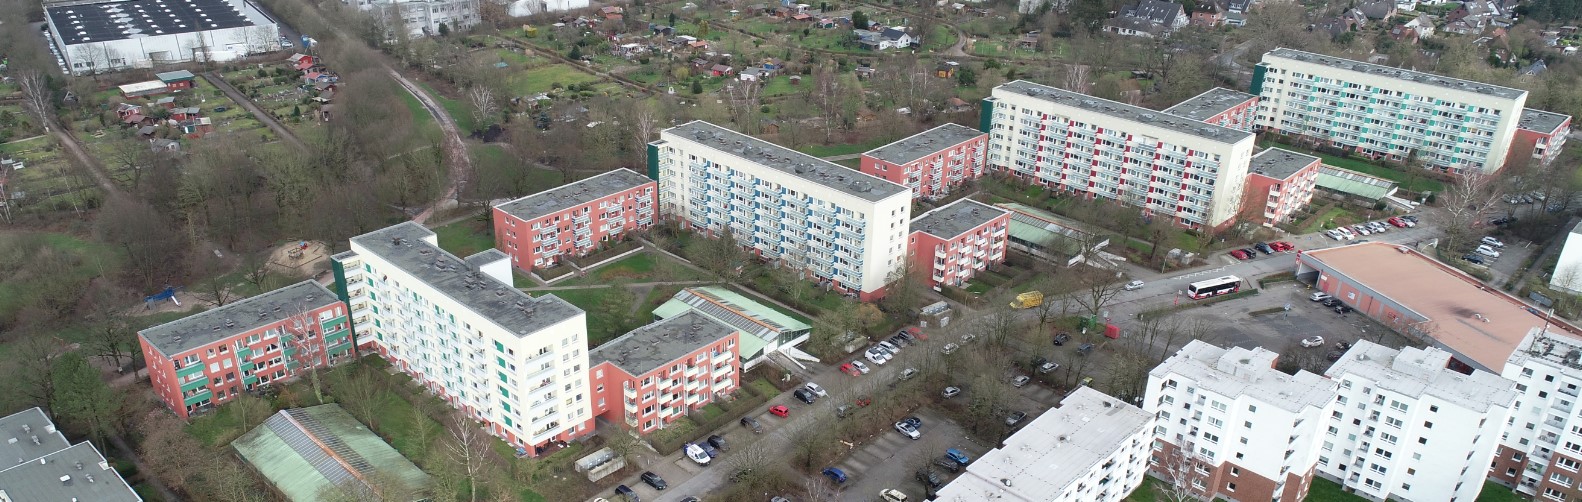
{"x": 299, "y": 259}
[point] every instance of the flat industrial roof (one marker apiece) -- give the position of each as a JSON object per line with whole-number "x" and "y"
{"x": 1541, "y": 121}
{"x": 508, "y": 307}
{"x": 660, "y": 343}
{"x": 1478, "y": 322}
{"x": 956, "y": 218}
{"x": 1354, "y": 183}
{"x": 17, "y": 432}
{"x": 574, "y": 194}
{"x": 1421, "y": 372}
{"x": 1042, "y": 459}
{"x": 1239, "y": 371}
{"x": 1212, "y": 102}
{"x": 924, "y": 143}
{"x": 77, "y": 472}
{"x": 1120, "y": 110}
{"x": 80, "y": 23}
{"x": 786, "y": 160}
{"x": 1279, "y": 163}
{"x": 240, "y": 316}
{"x": 1397, "y": 73}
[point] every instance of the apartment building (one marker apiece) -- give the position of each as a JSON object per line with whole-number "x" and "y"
{"x": 953, "y": 242}
{"x": 211, "y": 357}
{"x": 1231, "y": 426}
{"x": 1279, "y": 182}
{"x": 423, "y": 17}
{"x": 1387, "y": 113}
{"x": 1568, "y": 268}
{"x": 457, "y": 326}
{"x": 659, "y": 373}
{"x": 1222, "y": 107}
{"x": 1170, "y": 166}
{"x": 1540, "y": 454}
{"x": 844, "y": 228}
{"x": 932, "y": 163}
{"x": 48, "y": 467}
{"x": 1406, "y": 427}
{"x": 1539, "y": 136}
{"x": 1092, "y": 448}
{"x": 574, "y": 219}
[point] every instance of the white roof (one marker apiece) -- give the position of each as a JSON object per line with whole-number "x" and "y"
{"x": 1049, "y": 454}
{"x": 1237, "y": 372}
{"x": 142, "y": 87}
{"x": 1422, "y": 372}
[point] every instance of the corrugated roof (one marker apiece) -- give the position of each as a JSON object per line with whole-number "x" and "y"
{"x": 1354, "y": 183}
{"x": 742, "y": 313}
{"x": 304, "y": 451}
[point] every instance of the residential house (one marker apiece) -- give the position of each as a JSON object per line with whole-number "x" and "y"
{"x": 302, "y": 62}
{"x": 1378, "y": 9}
{"x": 124, "y": 110}
{"x": 186, "y": 113}
{"x": 1147, "y": 18}
{"x": 888, "y": 38}
{"x": 1423, "y": 25}
{"x": 1534, "y": 69}
{"x": 1539, "y": 136}
{"x": 1401, "y": 33}
{"x": 720, "y": 70}
{"x": 161, "y": 145}
{"x": 1279, "y": 183}
{"x": 539, "y": 230}
{"x": 932, "y": 163}
{"x": 1208, "y": 16}
{"x": 752, "y": 74}
{"x": 957, "y": 105}
{"x": 1334, "y": 26}
{"x": 946, "y": 69}
{"x": 1540, "y": 452}
{"x": 662, "y": 372}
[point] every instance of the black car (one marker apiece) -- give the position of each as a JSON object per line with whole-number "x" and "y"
{"x": 1264, "y": 247}
{"x": 709, "y": 450}
{"x": 1473, "y": 258}
{"x": 752, "y": 423}
{"x": 805, "y": 396}
{"x": 653, "y": 480}
{"x": 1343, "y": 345}
{"x": 718, "y": 441}
{"x": 626, "y": 493}
{"x": 948, "y": 464}
{"x": 1062, "y": 338}
{"x": 1014, "y": 418}
{"x": 1410, "y": 217}
{"x": 1503, "y": 220}
{"x": 1342, "y": 309}
{"x": 929, "y": 477}
{"x": 1334, "y": 355}
{"x": 1331, "y": 302}
{"x": 913, "y": 421}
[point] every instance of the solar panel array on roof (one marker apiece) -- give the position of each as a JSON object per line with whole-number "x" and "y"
{"x": 100, "y": 22}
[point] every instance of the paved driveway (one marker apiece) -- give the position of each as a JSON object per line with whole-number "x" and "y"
{"x": 891, "y": 460}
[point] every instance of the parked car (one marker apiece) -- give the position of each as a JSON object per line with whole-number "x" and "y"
{"x": 891, "y": 495}
{"x": 805, "y": 396}
{"x": 968, "y": 338}
{"x": 1313, "y": 341}
{"x": 908, "y": 430}
{"x": 1411, "y": 219}
{"x": 779, "y": 410}
{"x": 1319, "y": 296}
{"x": 1335, "y": 234}
{"x": 1020, "y": 380}
{"x": 815, "y": 389}
{"x": 929, "y": 478}
{"x": 958, "y": 456}
{"x": 949, "y": 348}
{"x": 835, "y": 474}
{"x": 718, "y": 441}
{"x": 1361, "y": 229}
{"x": 842, "y": 410}
{"x": 950, "y": 392}
{"x": 654, "y": 480}
{"x": 946, "y": 463}
{"x": 1062, "y": 338}
{"x": 1239, "y": 254}
{"x": 1014, "y": 418}
{"x": 1397, "y": 221}
{"x": 1491, "y": 241}
{"x": 1264, "y": 247}
{"x": 849, "y": 369}
{"x": 1044, "y": 365}
{"x": 908, "y": 373}
{"x": 1134, "y": 285}
{"x": 1085, "y": 349}
{"x": 876, "y": 356}
{"x": 1503, "y": 220}
{"x": 890, "y": 347}
{"x": 1343, "y": 345}
{"x": 1343, "y": 309}
{"x": 860, "y": 366}
{"x": 709, "y": 450}
{"x": 697, "y": 454}
{"x": 627, "y": 494}
{"x": 1473, "y": 258}
{"x": 752, "y": 423}
{"x": 1334, "y": 355}
{"x": 1485, "y": 250}
{"x": 1282, "y": 246}
{"x": 1330, "y": 302}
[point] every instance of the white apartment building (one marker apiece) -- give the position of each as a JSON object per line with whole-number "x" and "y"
{"x": 1541, "y": 451}
{"x": 1568, "y": 270}
{"x": 1092, "y": 448}
{"x": 423, "y": 17}
{"x": 459, "y": 328}
{"x": 1387, "y": 113}
{"x": 1405, "y": 427}
{"x": 835, "y": 224}
{"x": 1231, "y": 426}
{"x": 1169, "y": 165}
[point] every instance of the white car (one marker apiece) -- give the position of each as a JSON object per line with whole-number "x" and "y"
{"x": 1491, "y": 241}
{"x": 1335, "y": 234}
{"x": 1134, "y": 285}
{"x": 892, "y": 495}
{"x": 877, "y": 356}
{"x": 861, "y": 368}
{"x": 1313, "y": 341}
{"x": 814, "y": 388}
{"x": 908, "y": 430}
{"x": 1485, "y": 250}
{"x": 890, "y": 347}
{"x": 1320, "y": 296}
{"x": 697, "y": 454}
{"x": 949, "y": 348}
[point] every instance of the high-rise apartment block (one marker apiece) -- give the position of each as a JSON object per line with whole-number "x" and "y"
{"x": 952, "y": 243}
{"x": 1406, "y": 427}
{"x": 932, "y": 163}
{"x": 210, "y": 357}
{"x": 844, "y": 228}
{"x": 1388, "y": 113}
{"x": 659, "y": 373}
{"x": 574, "y": 219}
{"x": 1092, "y": 448}
{"x": 1231, "y": 426}
{"x": 1540, "y": 454}
{"x": 1171, "y": 166}
{"x": 515, "y": 362}
{"x": 1279, "y": 182}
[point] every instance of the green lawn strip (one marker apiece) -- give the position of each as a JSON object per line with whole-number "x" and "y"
{"x": 90, "y": 259}
{"x": 1422, "y": 183}
{"x": 1323, "y": 490}
{"x": 1323, "y": 219}
{"x": 465, "y": 238}
{"x": 593, "y": 301}
{"x": 426, "y": 127}
{"x": 848, "y": 148}
{"x": 458, "y": 111}
{"x": 1493, "y": 492}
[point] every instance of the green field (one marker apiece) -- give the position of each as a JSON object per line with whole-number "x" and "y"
{"x": 458, "y": 111}
{"x": 532, "y": 81}
{"x": 465, "y": 238}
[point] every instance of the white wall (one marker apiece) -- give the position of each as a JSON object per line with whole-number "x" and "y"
{"x": 1568, "y": 271}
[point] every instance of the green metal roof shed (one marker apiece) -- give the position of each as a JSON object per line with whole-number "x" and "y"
{"x": 1354, "y": 183}
{"x": 305, "y": 451}
{"x": 762, "y": 327}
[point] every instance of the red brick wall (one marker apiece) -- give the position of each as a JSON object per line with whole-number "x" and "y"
{"x": 514, "y": 236}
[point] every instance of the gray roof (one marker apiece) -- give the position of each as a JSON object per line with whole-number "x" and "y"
{"x": 1422, "y": 372}
{"x": 175, "y": 75}
{"x": 1279, "y": 163}
{"x": 24, "y": 426}
{"x": 1212, "y": 102}
{"x": 207, "y": 327}
{"x": 924, "y": 143}
{"x": 660, "y": 343}
{"x": 1398, "y": 73}
{"x": 1120, "y": 110}
{"x": 84, "y": 22}
{"x": 574, "y": 194}
{"x": 1239, "y": 371}
{"x": 1155, "y": 11}
{"x": 956, "y": 218}
{"x": 510, "y": 308}
{"x": 1541, "y": 121}
{"x": 816, "y": 170}
{"x": 76, "y": 472}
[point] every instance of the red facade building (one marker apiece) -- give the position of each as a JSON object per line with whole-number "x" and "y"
{"x": 956, "y": 241}
{"x": 1220, "y": 106}
{"x": 539, "y": 230}
{"x": 1539, "y": 136}
{"x": 209, "y": 358}
{"x": 932, "y": 162}
{"x": 1279, "y": 182}
{"x": 659, "y": 373}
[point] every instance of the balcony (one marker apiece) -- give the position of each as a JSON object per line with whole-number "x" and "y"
{"x": 191, "y": 369}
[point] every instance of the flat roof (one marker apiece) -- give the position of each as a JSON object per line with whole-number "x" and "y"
{"x": 1279, "y": 163}
{"x": 924, "y": 143}
{"x": 1042, "y": 459}
{"x": 77, "y": 472}
{"x": 786, "y": 160}
{"x": 574, "y": 194}
{"x": 1352, "y": 182}
{"x": 508, "y": 307}
{"x": 137, "y": 87}
{"x": 1120, "y": 110}
{"x": 1423, "y": 372}
{"x": 303, "y": 451}
{"x": 660, "y": 343}
{"x": 80, "y": 23}
{"x": 1447, "y": 297}
{"x": 177, "y": 75}
{"x": 1398, "y": 73}
{"x": 240, "y": 316}
{"x": 1239, "y": 371}
{"x": 1541, "y": 121}
{"x": 22, "y": 427}
{"x": 1212, "y": 102}
{"x": 956, "y": 218}
{"x": 740, "y": 312}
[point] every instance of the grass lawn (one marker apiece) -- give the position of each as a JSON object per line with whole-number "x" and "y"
{"x": 426, "y": 127}
{"x": 91, "y": 259}
{"x": 595, "y": 301}
{"x": 1324, "y": 490}
{"x": 978, "y": 287}
{"x": 1493, "y": 492}
{"x": 848, "y": 148}
{"x": 543, "y": 78}
{"x": 495, "y": 165}
{"x": 640, "y": 267}
{"x": 1332, "y": 214}
{"x": 458, "y": 111}
{"x": 781, "y": 86}
{"x": 1420, "y": 184}
{"x": 465, "y": 238}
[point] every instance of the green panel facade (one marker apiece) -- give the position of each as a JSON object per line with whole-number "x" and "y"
{"x": 986, "y": 115}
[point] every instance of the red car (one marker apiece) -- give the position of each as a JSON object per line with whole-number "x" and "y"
{"x": 779, "y": 410}
{"x": 1397, "y": 221}
{"x": 1239, "y": 254}
{"x": 849, "y": 369}
{"x": 1283, "y": 246}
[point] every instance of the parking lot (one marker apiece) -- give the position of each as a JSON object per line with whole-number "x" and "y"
{"x": 1279, "y": 331}
{"x": 891, "y": 459}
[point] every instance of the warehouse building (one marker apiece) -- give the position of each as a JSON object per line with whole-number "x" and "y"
{"x": 103, "y": 36}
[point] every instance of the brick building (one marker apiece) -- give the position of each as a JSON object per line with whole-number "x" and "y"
{"x": 1539, "y": 135}
{"x": 1279, "y": 182}
{"x": 539, "y": 230}
{"x": 956, "y": 241}
{"x": 932, "y": 163}
{"x": 659, "y": 373}
{"x": 1220, "y": 106}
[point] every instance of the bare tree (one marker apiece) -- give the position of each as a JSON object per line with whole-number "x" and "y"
{"x": 1098, "y": 289}
{"x": 743, "y": 99}
{"x": 468, "y": 447}
{"x": 485, "y": 108}
{"x": 305, "y": 338}
{"x": 1464, "y": 200}
{"x": 1076, "y": 78}
{"x": 1183, "y": 473}
{"x": 36, "y": 95}
{"x": 821, "y": 489}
